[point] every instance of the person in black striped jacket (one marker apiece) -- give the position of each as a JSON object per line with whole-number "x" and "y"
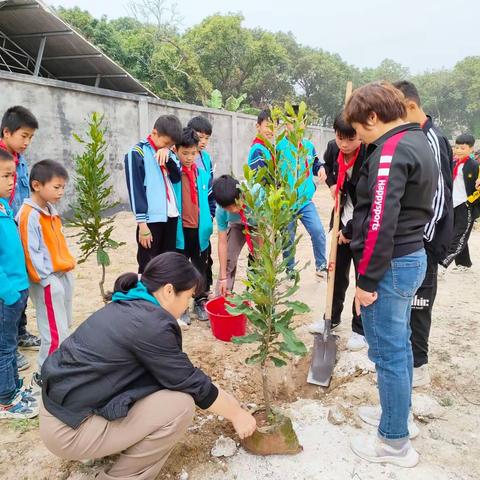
{"x": 437, "y": 236}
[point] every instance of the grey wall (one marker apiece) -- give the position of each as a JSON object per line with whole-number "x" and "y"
{"x": 63, "y": 108}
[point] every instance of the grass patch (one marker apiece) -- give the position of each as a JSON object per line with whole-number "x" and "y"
{"x": 24, "y": 425}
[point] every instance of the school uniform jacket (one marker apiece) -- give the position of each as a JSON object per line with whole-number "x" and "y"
{"x": 439, "y": 230}
{"x": 46, "y": 250}
{"x": 146, "y": 183}
{"x": 394, "y": 201}
{"x": 470, "y": 176}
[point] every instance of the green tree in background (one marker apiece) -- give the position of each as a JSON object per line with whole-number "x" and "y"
{"x": 269, "y": 68}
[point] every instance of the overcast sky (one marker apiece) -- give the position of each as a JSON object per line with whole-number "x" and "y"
{"x": 421, "y": 34}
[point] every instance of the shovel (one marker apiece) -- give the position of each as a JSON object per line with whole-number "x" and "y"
{"x": 324, "y": 353}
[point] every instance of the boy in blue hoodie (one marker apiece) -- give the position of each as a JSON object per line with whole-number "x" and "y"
{"x": 14, "y": 402}
{"x": 195, "y": 225}
{"x": 16, "y": 133}
{"x": 203, "y": 128}
{"x": 150, "y": 189}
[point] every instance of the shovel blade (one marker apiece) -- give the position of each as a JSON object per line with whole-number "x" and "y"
{"x": 324, "y": 356}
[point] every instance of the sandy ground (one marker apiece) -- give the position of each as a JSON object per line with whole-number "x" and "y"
{"x": 449, "y": 444}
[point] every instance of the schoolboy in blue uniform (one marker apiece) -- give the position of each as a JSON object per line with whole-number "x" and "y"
{"x": 151, "y": 193}
{"x": 195, "y": 225}
{"x": 16, "y": 132}
{"x": 13, "y": 299}
{"x": 203, "y": 128}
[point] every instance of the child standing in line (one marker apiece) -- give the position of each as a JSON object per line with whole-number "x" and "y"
{"x": 259, "y": 153}
{"x": 49, "y": 261}
{"x": 150, "y": 189}
{"x": 465, "y": 175}
{"x": 195, "y": 225}
{"x": 16, "y": 132}
{"x": 309, "y": 166}
{"x": 344, "y": 158}
{"x": 203, "y": 128}
{"x": 13, "y": 299}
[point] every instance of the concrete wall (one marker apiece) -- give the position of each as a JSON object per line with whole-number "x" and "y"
{"x": 63, "y": 109}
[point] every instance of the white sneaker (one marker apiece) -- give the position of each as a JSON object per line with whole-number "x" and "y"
{"x": 321, "y": 273}
{"x": 319, "y": 327}
{"x": 356, "y": 342}
{"x": 421, "y": 376}
{"x": 371, "y": 416}
{"x": 375, "y": 450}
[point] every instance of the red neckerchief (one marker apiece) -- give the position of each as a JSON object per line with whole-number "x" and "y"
{"x": 162, "y": 168}
{"x": 191, "y": 174}
{"x": 307, "y": 167}
{"x": 342, "y": 171}
{"x": 3, "y": 146}
{"x": 259, "y": 141}
{"x": 248, "y": 237}
{"x": 456, "y": 167}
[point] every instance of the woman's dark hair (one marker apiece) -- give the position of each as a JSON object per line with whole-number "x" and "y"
{"x": 169, "y": 267}
{"x": 380, "y": 97}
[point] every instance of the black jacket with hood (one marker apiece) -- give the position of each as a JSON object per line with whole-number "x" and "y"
{"x": 120, "y": 354}
{"x": 394, "y": 202}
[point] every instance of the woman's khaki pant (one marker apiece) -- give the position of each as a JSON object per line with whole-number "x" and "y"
{"x": 144, "y": 438}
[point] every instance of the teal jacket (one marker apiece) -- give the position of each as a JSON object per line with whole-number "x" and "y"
{"x": 205, "y": 223}
{"x": 13, "y": 272}
{"x": 259, "y": 154}
{"x": 294, "y": 170}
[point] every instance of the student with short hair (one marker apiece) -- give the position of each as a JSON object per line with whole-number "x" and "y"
{"x": 195, "y": 224}
{"x": 234, "y": 230}
{"x": 49, "y": 261}
{"x": 14, "y": 403}
{"x": 438, "y": 232}
{"x": 344, "y": 158}
{"x": 259, "y": 153}
{"x": 17, "y": 129}
{"x": 466, "y": 210}
{"x": 150, "y": 190}
{"x": 394, "y": 203}
{"x": 204, "y": 129}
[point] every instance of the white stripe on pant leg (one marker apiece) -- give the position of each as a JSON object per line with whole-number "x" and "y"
{"x": 461, "y": 242}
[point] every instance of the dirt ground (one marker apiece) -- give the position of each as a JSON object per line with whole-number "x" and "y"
{"x": 449, "y": 445}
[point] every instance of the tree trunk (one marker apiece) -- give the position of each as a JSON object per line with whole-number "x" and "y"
{"x": 266, "y": 393}
{"x": 101, "y": 284}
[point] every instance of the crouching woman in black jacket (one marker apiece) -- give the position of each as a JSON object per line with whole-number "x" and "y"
{"x": 122, "y": 385}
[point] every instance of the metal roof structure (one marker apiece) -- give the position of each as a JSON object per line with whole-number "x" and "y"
{"x": 35, "y": 41}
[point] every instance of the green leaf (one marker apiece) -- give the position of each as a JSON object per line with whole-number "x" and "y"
{"x": 103, "y": 258}
{"x": 278, "y": 362}
{"x": 297, "y": 307}
{"x": 251, "y": 338}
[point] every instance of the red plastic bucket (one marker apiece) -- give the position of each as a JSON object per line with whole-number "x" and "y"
{"x": 224, "y": 325}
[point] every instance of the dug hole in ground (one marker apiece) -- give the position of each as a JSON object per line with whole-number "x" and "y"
{"x": 448, "y": 411}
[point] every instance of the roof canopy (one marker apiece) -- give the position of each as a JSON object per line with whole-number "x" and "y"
{"x": 35, "y": 41}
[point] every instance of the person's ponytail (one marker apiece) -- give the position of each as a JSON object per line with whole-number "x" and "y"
{"x": 170, "y": 267}
{"x": 124, "y": 283}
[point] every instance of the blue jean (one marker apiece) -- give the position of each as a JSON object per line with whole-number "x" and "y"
{"x": 387, "y": 329}
{"x": 10, "y": 316}
{"x": 308, "y": 215}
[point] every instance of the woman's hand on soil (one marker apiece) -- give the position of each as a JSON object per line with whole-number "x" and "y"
{"x": 162, "y": 156}
{"x": 244, "y": 423}
{"x": 144, "y": 235}
{"x": 364, "y": 299}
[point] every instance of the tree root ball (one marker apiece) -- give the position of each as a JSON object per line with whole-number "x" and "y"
{"x": 276, "y": 437}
